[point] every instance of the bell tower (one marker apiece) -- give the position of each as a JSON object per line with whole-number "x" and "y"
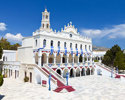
{"x": 45, "y": 23}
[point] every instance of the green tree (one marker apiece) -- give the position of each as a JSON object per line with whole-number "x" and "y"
{"x": 110, "y": 55}
{"x": 1, "y": 76}
{"x": 120, "y": 60}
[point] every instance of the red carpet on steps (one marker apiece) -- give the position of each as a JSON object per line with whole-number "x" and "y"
{"x": 68, "y": 88}
{"x": 60, "y": 85}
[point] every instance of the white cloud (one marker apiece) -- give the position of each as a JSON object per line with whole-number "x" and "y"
{"x": 14, "y": 38}
{"x": 2, "y": 26}
{"x": 117, "y": 31}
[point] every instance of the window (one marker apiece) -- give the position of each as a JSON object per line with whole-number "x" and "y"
{"x": 70, "y": 35}
{"x": 81, "y": 46}
{"x": 46, "y": 16}
{"x": 76, "y": 45}
{"x": 47, "y": 25}
{"x": 36, "y": 42}
{"x": 43, "y": 25}
{"x": 64, "y": 44}
{"x": 85, "y": 46}
{"x": 44, "y": 42}
{"x": 89, "y": 47}
{"x": 58, "y": 43}
{"x": 51, "y": 42}
{"x": 70, "y": 45}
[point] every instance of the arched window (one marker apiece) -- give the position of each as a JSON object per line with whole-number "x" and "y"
{"x": 51, "y": 43}
{"x": 89, "y": 47}
{"x": 47, "y": 25}
{"x": 81, "y": 46}
{"x": 43, "y": 25}
{"x": 36, "y": 42}
{"x": 58, "y": 43}
{"x": 76, "y": 45}
{"x": 44, "y": 42}
{"x": 46, "y": 16}
{"x": 85, "y": 46}
{"x": 70, "y": 45}
{"x": 64, "y": 44}
{"x": 4, "y": 58}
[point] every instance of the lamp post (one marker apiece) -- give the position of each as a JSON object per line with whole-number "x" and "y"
{"x": 49, "y": 82}
{"x": 67, "y": 76}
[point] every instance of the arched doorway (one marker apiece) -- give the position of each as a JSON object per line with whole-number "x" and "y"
{"x": 58, "y": 71}
{"x": 77, "y": 72}
{"x": 80, "y": 59}
{"x": 64, "y": 59}
{"x": 64, "y": 72}
{"x": 38, "y": 79}
{"x": 30, "y": 77}
{"x": 44, "y": 59}
{"x": 92, "y": 71}
{"x": 58, "y": 58}
{"x": 88, "y": 71}
{"x": 51, "y": 58}
{"x": 83, "y": 72}
{"x": 36, "y": 58}
{"x": 76, "y": 59}
{"x": 70, "y": 58}
{"x": 72, "y": 72}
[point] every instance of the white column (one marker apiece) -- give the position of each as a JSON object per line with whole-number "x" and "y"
{"x": 73, "y": 58}
{"x": 34, "y": 58}
{"x": 39, "y": 57}
{"x": 78, "y": 58}
{"x": 67, "y": 58}
{"x": 47, "y": 59}
{"x": 61, "y": 58}
{"x": 83, "y": 59}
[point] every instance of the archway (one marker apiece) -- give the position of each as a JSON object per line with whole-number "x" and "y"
{"x": 64, "y": 72}
{"x": 51, "y": 58}
{"x": 76, "y": 59}
{"x": 44, "y": 59}
{"x": 88, "y": 71}
{"x": 83, "y": 72}
{"x": 70, "y": 58}
{"x": 58, "y": 58}
{"x": 72, "y": 72}
{"x": 92, "y": 71}
{"x": 38, "y": 79}
{"x": 58, "y": 71}
{"x": 80, "y": 59}
{"x": 64, "y": 60}
{"x": 77, "y": 72}
{"x": 36, "y": 58}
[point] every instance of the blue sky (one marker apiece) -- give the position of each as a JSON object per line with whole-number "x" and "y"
{"x": 102, "y": 20}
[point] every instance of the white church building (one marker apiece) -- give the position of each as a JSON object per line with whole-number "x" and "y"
{"x": 50, "y": 52}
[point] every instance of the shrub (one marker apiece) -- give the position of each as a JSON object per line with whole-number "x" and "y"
{"x": 26, "y": 79}
{"x": 1, "y": 79}
{"x": 96, "y": 60}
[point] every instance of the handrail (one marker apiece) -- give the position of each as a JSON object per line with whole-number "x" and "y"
{"x": 56, "y": 74}
{"x": 45, "y": 73}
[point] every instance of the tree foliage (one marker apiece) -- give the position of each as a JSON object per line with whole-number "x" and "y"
{"x": 114, "y": 57}
{"x": 7, "y": 45}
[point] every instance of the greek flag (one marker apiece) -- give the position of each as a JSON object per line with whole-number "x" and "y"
{"x": 58, "y": 51}
{"x": 42, "y": 47}
{"x": 87, "y": 52}
{"x": 81, "y": 51}
{"x": 71, "y": 51}
{"x": 51, "y": 51}
{"x": 65, "y": 51}
{"x": 76, "y": 51}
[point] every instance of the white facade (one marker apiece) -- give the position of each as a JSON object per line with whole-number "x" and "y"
{"x": 9, "y": 55}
